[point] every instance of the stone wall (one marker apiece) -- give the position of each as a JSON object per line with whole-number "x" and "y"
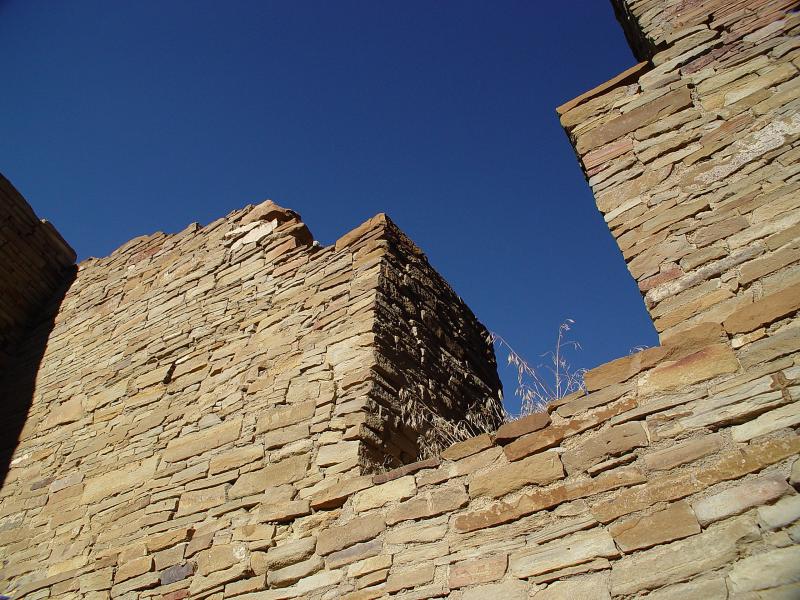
{"x": 36, "y": 263}
{"x": 218, "y": 412}
{"x": 208, "y": 385}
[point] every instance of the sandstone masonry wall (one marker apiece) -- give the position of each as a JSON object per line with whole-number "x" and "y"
{"x": 217, "y": 381}
{"x": 36, "y": 263}
{"x": 219, "y": 439}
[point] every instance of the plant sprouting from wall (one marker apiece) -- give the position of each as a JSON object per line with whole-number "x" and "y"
{"x": 551, "y": 380}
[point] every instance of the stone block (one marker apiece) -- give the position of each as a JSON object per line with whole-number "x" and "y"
{"x": 289, "y": 552}
{"x": 468, "y": 447}
{"x": 133, "y": 568}
{"x": 571, "y": 550}
{"x": 359, "y": 529}
{"x": 410, "y": 578}
{"x": 612, "y": 441}
{"x": 429, "y": 504}
{"x": 201, "y": 500}
{"x": 587, "y": 587}
{"x": 484, "y": 569}
{"x": 764, "y": 311}
{"x": 284, "y": 416}
{"x": 119, "y": 480}
{"x": 380, "y": 495}
{"x": 676, "y": 522}
{"x": 337, "y": 494}
{"x": 293, "y": 573}
{"x": 333, "y": 454}
{"x": 765, "y": 570}
{"x": 194, "y": 444}
{"x": 522, "y": 426}
{"x": 235, "y": 458}
{"x": 512, "y": 589}
{"x": 784, "y": 512}
{"x": 710, "y": 362}
{"x": 540, "y": 469}
{"x": 666, "y": 564}
{"x": 740, "y": 498}
{"x": 683, "y": 452}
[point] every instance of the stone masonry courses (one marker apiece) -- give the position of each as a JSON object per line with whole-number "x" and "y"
{"x": 223, "y": 413}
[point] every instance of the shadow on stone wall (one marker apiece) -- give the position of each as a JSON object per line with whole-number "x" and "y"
{"x": 18, "y": 375}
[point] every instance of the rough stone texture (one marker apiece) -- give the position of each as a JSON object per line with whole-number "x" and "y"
{"x": 211, "y": 407}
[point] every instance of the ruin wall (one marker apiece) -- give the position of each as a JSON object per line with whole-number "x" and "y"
{"x": 673, "y": 475}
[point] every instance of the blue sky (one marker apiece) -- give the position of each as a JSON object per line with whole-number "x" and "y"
{"x": 123, "y": 118}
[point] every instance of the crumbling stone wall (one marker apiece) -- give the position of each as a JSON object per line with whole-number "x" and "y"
{"x": 673, "y": 475}
{"x": 218, "y": 380}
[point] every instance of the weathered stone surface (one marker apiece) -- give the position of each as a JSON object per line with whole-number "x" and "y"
{"x": 552, "y": 435}
{"x": 588, "y": 587}
{"x": 284, "y": 416}
{"x": 176, "y": 573}
{"x": 429, "y": 504}
{"x": 379, "y": 495}
{"x": 360, "y": 529}
{"x": 575, "y": 549}
{"x": 512, "y": 589}
{"x": 478, "y": 570}
{"x": 194, "y": 444}
{"x": 727, "y": 466}
{"x": 119, "y": 480}
{"x": 673, "y": 523}
{"x": 409, "y": 578}
{"x": 514, "y": 429}
{"x": 540, "y": 469}
{"x": 680, "y": 560}
{"x": 338, "y": 493}
{"x": 784, "y": 512}
{"x": 133, "y": 568}
{"x": 708, "y": 363}
{"x": 337, "y": 453}
{"x": 711, "y": 589}
{"x": 468, "y": 447}
{"x": 740, "y": 498}
{"x": 294, "y": 573}
{"x": 200, "y": 500}
{"x": 785, "y": 416}
{"x": 765, "y": 570}
{"x": 289, "y": 553}
{"x": 235, "y": 458}
{"x": 764, "y": 311}
{"x": 682, "y": 453}
{"x": 608, "y": 442}
{"x": 353, "y": 554}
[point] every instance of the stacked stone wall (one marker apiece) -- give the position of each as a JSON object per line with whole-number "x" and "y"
{"x": 217, "y": 412}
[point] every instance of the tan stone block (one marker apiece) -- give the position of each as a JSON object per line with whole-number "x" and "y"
{"x": 740, "y": 498}
{"x": 784, "y": 512}
{"x": 429, "y": 504}
{"x": 194, "y": 444}
{"x": 235, "y": 458}
{"x": 540, "y": 469}
{"x": 410, "y": 578}
{"x": 114, "y": 482}
{"x": 707, "y": 589}
{"x": 360, "y": 529}
{"x": 283, "y": 511}
{"x": 783, "y": 417}
{"x": 416, "y": 533}
{"x": 369, "y": 565}
{"x": 168, "y": 539}
{"x": 353, "y": 554}
{"x": 281, "y": 437}
{"x": 512, "y": 589}
{"x": 612, "y": 441}
{"x": 712, "y": 361}
{"x": 622, "y": 369}
{"x": 284, "y": 416}
{"x": 133, "y": 568}
{"x": 779, "y": 344}
{"x": 468, "y": 447}
{"x": 288, "y": 553}
{"x": 380, "y": 495}
{"x": 220, "y": 557}
{"x": 201, "y": 584}
{"x": 682, "y": 453}
{"x": 764, "y": 311}
{"x": 540, "y": 499}
{"x": 67, "y": 412}
{"x": 729, "y": 465}
{"x": 575, "y": 549}
{"x": 294, "y": 573}
{"x": 634, "y": 119}
{"x": 518, "y": 427}
{"x": 337, "y": 494}
{"x": 676, "y": 522}
{"x": 201, "y": 500}
{"x": 552, "y": 435}
{"x": 595, "y": 399}
{"x": 588, "y": 587}
{"x": 666, "y": 564}
{"x": 765, "y": 570}
{"x": 477, "y": 570}
{"x": 333, "y": 454}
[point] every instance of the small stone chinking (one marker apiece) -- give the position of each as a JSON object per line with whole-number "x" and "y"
{"x": 673, "y": 475}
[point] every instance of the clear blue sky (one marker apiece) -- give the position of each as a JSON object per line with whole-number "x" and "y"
{"x": 122, "y": 118}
